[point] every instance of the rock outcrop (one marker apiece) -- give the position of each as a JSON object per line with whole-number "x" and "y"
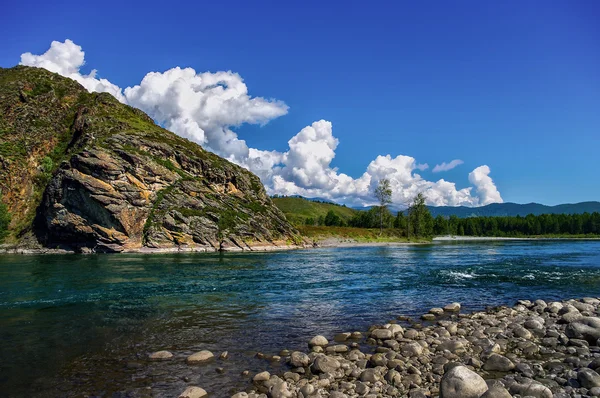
{"x": 84, "y": 172}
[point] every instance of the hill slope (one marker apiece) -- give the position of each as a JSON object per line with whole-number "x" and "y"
{"x": 85, "y": 172}
{"x": 515, "y": 209}
{"x": 297, "y": 209}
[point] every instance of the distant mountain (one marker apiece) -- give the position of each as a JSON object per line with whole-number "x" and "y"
{"x": 514, "y": 209}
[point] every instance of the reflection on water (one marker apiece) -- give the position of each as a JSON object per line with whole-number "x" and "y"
{"x": 74, "y": 325}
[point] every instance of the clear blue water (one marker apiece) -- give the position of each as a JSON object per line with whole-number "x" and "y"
{"x": 84, "y": 324}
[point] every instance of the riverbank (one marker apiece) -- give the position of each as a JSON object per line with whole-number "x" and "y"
{"x": 538, "y": 349}
{"x": 457, "y": 238}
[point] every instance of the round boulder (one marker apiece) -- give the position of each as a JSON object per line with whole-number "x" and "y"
{"x": 193, "y": 392}
{"x": 460, "y": 382}
{"x": 158, "y": 355}
{"x": 496, "y": 392}
{"x": 325, "y": 364}
{"x": 498, "y": 363}
{"x": 586, "y": 328}
{"x": 588, "y": 378}
{"x": 262, "y": 376}
{"x": 201, "y": 356}
{"x": 299, "y": 359}
{"x": 382, "y": 334}
{"x": 454, "y": 307}
{"x": 319, "y": 341}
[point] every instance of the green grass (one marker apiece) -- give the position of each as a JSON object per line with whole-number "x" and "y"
{"x": 362, "y": 235}
{"x": 297, "y": 210}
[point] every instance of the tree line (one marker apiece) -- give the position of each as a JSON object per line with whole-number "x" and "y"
{"x": 418, "y": 222}
{"x": 531, "y": 225}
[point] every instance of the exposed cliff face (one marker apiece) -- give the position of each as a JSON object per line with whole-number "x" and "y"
{"x": 85, "y": 172}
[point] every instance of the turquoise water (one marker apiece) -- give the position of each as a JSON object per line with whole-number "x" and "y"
{"x": 84, "y": 324}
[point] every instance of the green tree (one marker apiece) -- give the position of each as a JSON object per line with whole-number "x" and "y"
{"x": 332, "y": 219}
{"x": 420, "y": 218}
{"x": 383, "y": 193}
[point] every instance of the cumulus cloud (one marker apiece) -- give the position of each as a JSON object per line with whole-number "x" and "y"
{"x": 488, "y": 193}
{"x": 66, "y": 59}
{"x": 447, "y": 166}
{"x": 205, "y": 106}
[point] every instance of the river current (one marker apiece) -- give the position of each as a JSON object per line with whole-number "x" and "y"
{"x": 75, "y": 325}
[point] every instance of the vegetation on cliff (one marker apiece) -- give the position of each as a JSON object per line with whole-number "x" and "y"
{"x": 82, "y": 171}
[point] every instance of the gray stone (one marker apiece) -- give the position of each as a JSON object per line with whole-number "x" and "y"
{"x": 307, "y": 390}
{"x": 382, "y": 334}
{"x": 393, "y": 377}
{"x": 454, "y": 307}
{"x": 498, "y": 363}
{"x": 412, "y": 349}
{"x": 460, "y": 382}
{"x": 530, "y": 388}
{"x": 319, "y": 341}
{"x": 496, "y": 392}
{"x": 262, "y": 376}
{"x": 193, "y": 392}
{"x": 587, "y": 328}
{"x": 201, "y": 356}
{"x": 588, "y": 378}
{"x": 370, "y": 375}
{"x": 325, "y": 364}
{"x": 159, "y": 355}
{"x": 361, "y": 388}
{"x": 299, "y": 359}
{"x": 280, "y": 390}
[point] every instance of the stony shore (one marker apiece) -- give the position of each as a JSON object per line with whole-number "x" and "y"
{"x": 533, "y": 349}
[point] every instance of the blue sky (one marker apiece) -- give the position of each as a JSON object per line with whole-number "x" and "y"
{"x": 512, "y": 85}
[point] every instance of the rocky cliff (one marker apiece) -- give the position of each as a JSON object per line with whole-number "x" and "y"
{"x": 84, "y": 172}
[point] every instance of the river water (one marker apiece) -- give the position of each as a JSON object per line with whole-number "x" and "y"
{"x": 76, "y": 325}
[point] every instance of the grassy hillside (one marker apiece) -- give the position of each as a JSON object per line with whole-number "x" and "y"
{"x": 297, "y": 210}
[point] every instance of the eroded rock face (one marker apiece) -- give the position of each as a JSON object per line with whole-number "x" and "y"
{"x": 121, "y": 199}
{"x": 111, "y": 180}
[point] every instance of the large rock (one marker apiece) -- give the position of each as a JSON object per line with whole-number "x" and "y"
{"x": 159, "y": 355}
{"x": 530, "y": 388}
{"x": 112, "y": 180}
{"x": 460, "y": 382}
{"x": 299, "y": 359}
{"x": 318, "y": 341}
{"x": 262, "y": 376}
{"x": 586, "y": 328}
{"x": 280, "y": 390}
{"x": 370, "y": 375}
{"x": 325, "y": 364}
{"x": 588, "y": 378}
{"x": 193, "y": 392}
{"x": 201, "y": 356}
{"x": 382, "y": 334}
{"x": 498, "y": 363}
{"x": 412, "y": 349}
{"x": 496, "y": 392}
{"x": 453, "y": 307}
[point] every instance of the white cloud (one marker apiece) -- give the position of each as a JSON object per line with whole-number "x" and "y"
{"x": 447, "y": 166}
{"x": 485, "y": 185}
{"x": 66, "y": 59}
{"x": 204, "y": 107}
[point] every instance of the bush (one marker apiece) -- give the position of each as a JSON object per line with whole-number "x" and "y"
{"x": 4, "y": 220}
